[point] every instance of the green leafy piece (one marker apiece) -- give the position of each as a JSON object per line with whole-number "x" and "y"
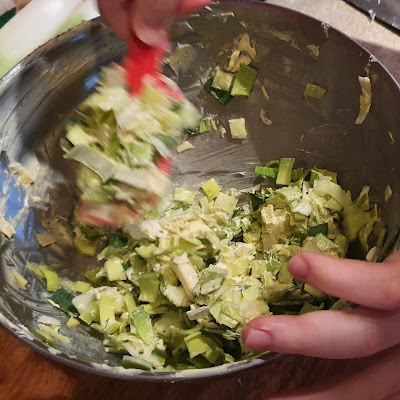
{"x": 285, "y": 171}
{"x": 315, "y": 230}
{"x": 222, "y": 96}
{"x": 117, "y": 241}
{"x": 314, "y": 91}
{"x": 244, "y": 81}
{"x": 142, "y": 322}
{"x": 63, "y": 300}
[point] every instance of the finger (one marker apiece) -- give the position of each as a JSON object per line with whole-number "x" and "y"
{"x": 376, "y": 381}
{"x": 115, "y": 14}
{"x": 370, "y": 284}
{"x": 326, "y": 334}
{"x": 151, "y": 20}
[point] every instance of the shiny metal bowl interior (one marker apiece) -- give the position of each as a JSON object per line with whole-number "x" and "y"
{"x": 37, "y": 95}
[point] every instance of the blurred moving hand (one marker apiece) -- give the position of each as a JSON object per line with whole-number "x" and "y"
{"x": 149, "y": 19}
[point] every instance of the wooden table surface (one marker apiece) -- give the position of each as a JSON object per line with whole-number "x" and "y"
{"x": 27, "y": 375}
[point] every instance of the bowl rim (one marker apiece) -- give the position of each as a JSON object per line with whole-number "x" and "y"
{"x": 188, "y": 375}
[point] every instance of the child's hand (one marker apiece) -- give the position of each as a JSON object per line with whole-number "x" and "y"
{"x": 149, "y": 19}
{"x": 359, "y": 332}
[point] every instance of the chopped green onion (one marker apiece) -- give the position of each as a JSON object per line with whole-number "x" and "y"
{"x": 244, "y": 81}
{"x": 285, "y": 171}
{"x": 314, "y": 91}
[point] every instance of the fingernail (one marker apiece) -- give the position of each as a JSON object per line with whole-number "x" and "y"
{"x": 298, "y": 267}
{"x": 257, "y": 340}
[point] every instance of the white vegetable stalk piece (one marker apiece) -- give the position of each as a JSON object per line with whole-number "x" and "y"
{"x": 37, "y": 23}
{"x": 365, "y": 99}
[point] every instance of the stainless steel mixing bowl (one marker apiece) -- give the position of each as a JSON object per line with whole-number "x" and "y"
{"x": 37, "y": 95}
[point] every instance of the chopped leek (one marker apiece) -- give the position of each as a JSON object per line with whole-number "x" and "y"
{"x": 314, "y": 91}
{"x": 143, "y": 326}
{"x": 223, "y": 81}
{"x": 21, "y": 281}
{"x": 180, "y": 294}
{"x": 63, "y": 300}
{"x": 184, "y": 147}
{"x": 365, "y": 99}
{"x": 211, "y": 188}
{"x": 205, "y": 125}
{"x": 238, "y": 128}
{"x": 222, "y": 96}
{"x": 244, "y": 81}
{"x": 388, "y": 193}
{"x": 266, "y": 172}
{"x": 285, "y": 171}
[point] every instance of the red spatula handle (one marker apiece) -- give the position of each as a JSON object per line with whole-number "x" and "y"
{"x": 141, "y": 60}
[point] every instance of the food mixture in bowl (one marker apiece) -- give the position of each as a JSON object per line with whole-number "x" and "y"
{"x": 175, "y": 290}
